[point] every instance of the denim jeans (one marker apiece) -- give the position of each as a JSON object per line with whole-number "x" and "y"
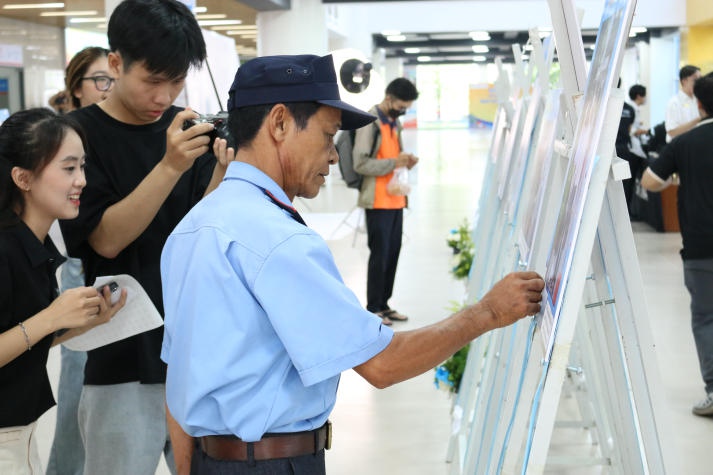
{"x": 124, "y": 429}
{"x": 67, "y": 453}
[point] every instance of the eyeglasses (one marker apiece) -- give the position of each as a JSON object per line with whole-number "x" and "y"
{"x": 102, "y": 83}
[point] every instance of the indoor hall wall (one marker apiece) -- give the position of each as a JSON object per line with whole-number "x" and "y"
{"x": 42, "y": 60}
{"x": 699, "y": 47}
{"x": 699, "y": 12}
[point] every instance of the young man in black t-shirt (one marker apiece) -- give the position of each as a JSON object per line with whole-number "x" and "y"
{"x": 144, "y": 173}
{"x": 690, "y": 155}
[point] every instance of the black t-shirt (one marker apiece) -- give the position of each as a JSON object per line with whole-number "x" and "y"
{"x": 691, "y": 156}
{"x": 119, "y": 157}
{"x": 623, "y": 139}
{"x": 27, "y": 286}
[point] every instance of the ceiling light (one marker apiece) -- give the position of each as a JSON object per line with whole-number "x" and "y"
{"x": 87, "y": 20}
{"x": 480, "y": 49}
{"x": 390, "y": 32}
{"x": 235, "y": 27}
{"x": 423, "y": 59}
{"x": 219, "y": 22}
{"x": 480, "y": 35}
{"x": 639, "y": 29}
{"x": 396, "y": 38}
{"x": 200, "y": 10}
{"x": 211, "y": 16}
{"x": 75, "y": 13}
{"x": 412, "y": 50}
{"x": 25, "y": 6}
{"x": 479, "y": 58}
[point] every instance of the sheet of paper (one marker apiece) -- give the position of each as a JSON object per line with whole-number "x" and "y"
{"x": 138, "y": 315}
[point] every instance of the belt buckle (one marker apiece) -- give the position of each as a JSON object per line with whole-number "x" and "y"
{"x": 328, "y": 438}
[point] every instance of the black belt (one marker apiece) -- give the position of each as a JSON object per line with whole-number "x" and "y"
{"x": 271, "y": 446}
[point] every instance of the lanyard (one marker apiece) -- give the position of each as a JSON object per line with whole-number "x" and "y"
{"x": 293, "y": 212}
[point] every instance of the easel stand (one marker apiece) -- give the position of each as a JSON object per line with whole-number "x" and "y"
{"x": 597, "y": 355}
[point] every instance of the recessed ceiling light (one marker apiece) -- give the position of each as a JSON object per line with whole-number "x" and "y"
{"x": 479, "y": 58}
{"x": 68, "y": 13}
{"x": 25, "y": 6}
{"x": 396, "y": 38}
{"x": 480, "y": 49}
{"x": 218, "y": 22}
{"x": 480, "y": 35}
{"x": 87, "y": 20}
{"x": 423, "y": 59}
{"x": 234, "y": 27}
{"x": 211, "y": 16}
{"x": 200, "y": 10}
{"x": 412, "y": 50}
{"x": 639, "y": 29}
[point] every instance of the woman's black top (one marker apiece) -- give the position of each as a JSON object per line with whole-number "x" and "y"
{"x": 27, "y": 286}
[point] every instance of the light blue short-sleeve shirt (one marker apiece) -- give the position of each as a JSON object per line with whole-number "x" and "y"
{"x": 258, "y": 322}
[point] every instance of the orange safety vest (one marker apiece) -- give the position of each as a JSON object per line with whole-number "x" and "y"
{"x": 389, "y": 149}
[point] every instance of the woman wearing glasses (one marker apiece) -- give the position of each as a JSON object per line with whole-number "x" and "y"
{"x": 88, "y": 77}
{"x": 89, "y": 82}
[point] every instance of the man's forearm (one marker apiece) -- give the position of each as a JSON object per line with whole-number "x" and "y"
{"x": 124, "y": 221}
{"x": 182, "y": 445}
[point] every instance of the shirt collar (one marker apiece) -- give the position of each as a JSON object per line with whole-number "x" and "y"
{"x": 246, "y": 172}
{"x": 37, "y": 253}
{"x": 708, "y": 120}
{"x": 385, "y": 118}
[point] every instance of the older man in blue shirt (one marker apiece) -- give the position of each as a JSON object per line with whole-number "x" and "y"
{"x": 259, "y": 324}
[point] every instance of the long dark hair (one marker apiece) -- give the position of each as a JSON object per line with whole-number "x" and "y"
{"x": 29, "y": 139}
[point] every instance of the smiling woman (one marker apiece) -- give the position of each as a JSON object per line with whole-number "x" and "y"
{"x": 41, "y": 179}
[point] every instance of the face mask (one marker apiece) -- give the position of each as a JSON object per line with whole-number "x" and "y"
{"x": 396, "y": 113}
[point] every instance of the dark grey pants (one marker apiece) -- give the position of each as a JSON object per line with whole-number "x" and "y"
{"x": 384, "y": 228}
{"x": 312, "y": 464}
{"x": 698, "y": 276}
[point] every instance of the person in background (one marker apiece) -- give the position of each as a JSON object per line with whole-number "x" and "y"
{"x": 87, "y": 81}
{"x": 690, "y": 155}
{"x": 145, "y": 172}
{"x": 384, "y": 211}
{"x": 682, "y": 110}
{"x": 41, "y": 180}
{"x": 242, "y": 272}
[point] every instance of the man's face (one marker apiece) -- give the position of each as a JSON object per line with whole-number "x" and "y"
{"x": 687, "y": 84}
{"x": 140, "y": 96}
{"x": 307, "y": 153}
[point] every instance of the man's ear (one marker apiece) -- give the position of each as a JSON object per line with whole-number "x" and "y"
{"x": 278, "y": 121}
{"x": 115, "y": 64}
{"x": 22, "y": 178}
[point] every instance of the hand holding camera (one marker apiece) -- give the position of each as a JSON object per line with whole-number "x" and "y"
{"x": 183, "y": 146}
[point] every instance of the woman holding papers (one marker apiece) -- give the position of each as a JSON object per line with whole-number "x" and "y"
{"x": 41, "y": 179}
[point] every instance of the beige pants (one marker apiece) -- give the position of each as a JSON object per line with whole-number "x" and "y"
{"x": 18, "y": 451}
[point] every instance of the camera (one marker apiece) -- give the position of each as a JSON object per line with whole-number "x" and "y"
{"x": 220, "y": 126}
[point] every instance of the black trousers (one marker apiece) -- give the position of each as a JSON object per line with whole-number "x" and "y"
{"x": 384, "y": 228}
{"x": 311, "y": 464}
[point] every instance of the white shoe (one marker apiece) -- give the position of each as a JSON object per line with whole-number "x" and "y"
{"x": 705, "y": 407}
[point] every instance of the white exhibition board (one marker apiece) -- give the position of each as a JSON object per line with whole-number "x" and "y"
{"x": 546, "y": 205}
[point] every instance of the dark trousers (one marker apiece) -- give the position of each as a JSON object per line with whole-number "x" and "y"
{"x": 311, "y": 464}
{"x": 384, "y": 228}
{"x": 698, "y": 276}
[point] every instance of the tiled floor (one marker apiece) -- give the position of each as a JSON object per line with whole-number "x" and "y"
{"x": 405, "y": 429}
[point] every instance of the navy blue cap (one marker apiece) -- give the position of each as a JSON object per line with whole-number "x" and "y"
{"x": 300, "y": 78}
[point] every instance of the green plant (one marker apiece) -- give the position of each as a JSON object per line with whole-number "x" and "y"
{"x": 461, "y": 242}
